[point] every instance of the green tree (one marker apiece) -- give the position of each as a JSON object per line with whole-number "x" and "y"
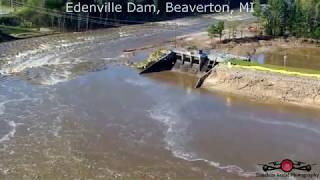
{"x": 211, "y": 33}
{"x": 300, "y": 18}
{"x": 220, "y": 28}
{"x": 257, "y": 8}
{"x": 216, "y": 29}
{"x": 316, "y": 34}
{"x": 234, "y": 29}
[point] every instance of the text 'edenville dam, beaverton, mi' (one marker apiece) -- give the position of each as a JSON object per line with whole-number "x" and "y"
{"x": 152, "y": 8}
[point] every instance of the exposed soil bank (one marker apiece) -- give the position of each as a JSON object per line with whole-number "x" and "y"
{"x": 265, "y": 86}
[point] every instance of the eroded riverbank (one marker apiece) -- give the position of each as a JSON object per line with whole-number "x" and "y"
{"x": 265, "y": 86}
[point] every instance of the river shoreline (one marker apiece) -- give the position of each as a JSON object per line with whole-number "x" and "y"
{"x": 71, "y": 109}
{"x": 265, "y": 86}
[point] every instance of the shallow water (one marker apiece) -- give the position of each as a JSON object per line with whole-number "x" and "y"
{"x": 308, "y": 58}
{"x": 74, "y": 111}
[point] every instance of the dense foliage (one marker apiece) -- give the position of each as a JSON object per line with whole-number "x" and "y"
{"x": 299, "y": 18}
{"x": 216, "y": 29}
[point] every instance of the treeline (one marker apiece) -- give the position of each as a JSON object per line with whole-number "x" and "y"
{"x": 300, "y": 18}
{"x": 52, "y": 12}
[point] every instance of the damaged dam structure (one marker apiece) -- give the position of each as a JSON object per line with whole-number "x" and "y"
{"x": 199, "y": 63}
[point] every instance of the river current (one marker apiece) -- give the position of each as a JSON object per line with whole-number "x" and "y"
{"x": 71, "y": 108}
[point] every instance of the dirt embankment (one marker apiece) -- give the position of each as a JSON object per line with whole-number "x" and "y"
{"x": 265, "y": 86}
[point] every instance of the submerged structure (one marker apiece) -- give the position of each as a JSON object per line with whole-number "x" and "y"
{"x": 197, "y": 63}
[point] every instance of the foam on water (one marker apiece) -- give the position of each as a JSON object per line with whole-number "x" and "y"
{"x": 57, "y": 61}
{"x": 57, "y": 127}
{"x": 52, "y": 81}
{"x": 54, "y": 78}
{"x": 54, "y": 63}
{"x": 12, "y": 124}
{"x": 176, "y": 138}
{"x": 124, "y": 34}
{"x": 46, "y": 70}
{"x": 2, "y": 108}
{"x": 179, "y": 22}
{"x": 137, "y": 82}
{"x": 44, "y": 54}
{"x": 12, "y": 132}
{"x": 19, "y": 66}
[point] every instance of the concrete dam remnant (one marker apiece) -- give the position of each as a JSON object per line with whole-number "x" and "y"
{"x": 199, "y": 63}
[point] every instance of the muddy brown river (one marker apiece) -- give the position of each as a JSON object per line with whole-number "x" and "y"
{"x": 300, "y": 57}
{"x": 71, "y": 109}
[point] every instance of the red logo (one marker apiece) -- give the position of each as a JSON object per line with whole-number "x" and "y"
{"x": 287, "y": 165}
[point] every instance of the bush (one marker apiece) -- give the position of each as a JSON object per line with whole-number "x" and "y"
{"x": 316, "y": 33}
{"x": 10, "y": 21}
{"x": 32, "y": 18}
{"x": 5, "y": 2}
{"x": 26, "y": 24}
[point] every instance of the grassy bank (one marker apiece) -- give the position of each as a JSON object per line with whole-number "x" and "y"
{"x": 14, "y": 29}
{"x": 20, "y": 33}
{"x": 154, "y": 57}
{"x": 276, "y": 69}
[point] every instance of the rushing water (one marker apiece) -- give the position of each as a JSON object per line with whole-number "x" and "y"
{"x": 70, "y": 110}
